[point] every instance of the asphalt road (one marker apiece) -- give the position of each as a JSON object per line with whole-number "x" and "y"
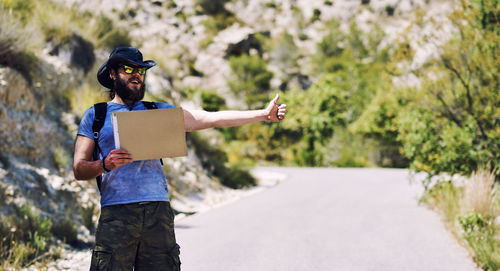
{"x": 323, "y": 219}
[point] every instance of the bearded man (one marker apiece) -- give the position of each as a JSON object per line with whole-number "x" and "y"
{"x": 136, "y": 226}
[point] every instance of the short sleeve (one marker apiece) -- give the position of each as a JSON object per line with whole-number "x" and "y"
{"x": 85, "y": 128}
{"x": 164, "y": 106}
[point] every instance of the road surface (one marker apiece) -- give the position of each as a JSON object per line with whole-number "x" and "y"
{"x": 323, "y": 219}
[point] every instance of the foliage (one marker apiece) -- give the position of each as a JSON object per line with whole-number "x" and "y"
{"x": 28, "y": 223}
{"x": 330, "y": 45}
{"x": 215, "y": 161}
{"x": 258, "y": 142}
{"x": 479, "y": 232}
{"x": 326, "y": 108}
{"x": 115, "y": 38}
{"x": 22, "y": 7}
{"x": 318, "y": 131}
{"x": 106, "y": 34}
{"x": 238, "y": 176}
{"x": 16, "y": 43}
{"x": 218, "y": 22}
{"x": 479, "y": 192}
{"x": 56, "y": 22}
{"x": 61, "y": 157}
{"x": 220, "y": 18}
{"x": 316, "y": 15}
{"x": 451, "y": 124}
{"x": 24, "y": 236}
{"x": 83, "y": 97}
{"x": 87, "y": 214}
{"x": 210, "y": 101}
{"x": 284, "y": 54}
{"x": 444, "y": 197}
{"x": 65, "y": 229}
{"x": 212, "y": 7}
{"x": 251, "y": 79}
{"x": 379, "y": 122}
{"x": 476, "y": 226}
{"x": 350, "y": 150}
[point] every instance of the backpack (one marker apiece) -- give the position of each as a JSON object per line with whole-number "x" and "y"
{"x": 100, "y": 116}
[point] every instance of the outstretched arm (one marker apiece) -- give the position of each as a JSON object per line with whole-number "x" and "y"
{"x": 200, "y": 119}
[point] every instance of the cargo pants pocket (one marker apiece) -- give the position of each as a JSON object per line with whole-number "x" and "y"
{"x": 101, "y": 259}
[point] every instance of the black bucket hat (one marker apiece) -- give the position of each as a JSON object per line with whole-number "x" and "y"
{"x": 121, "y": 54}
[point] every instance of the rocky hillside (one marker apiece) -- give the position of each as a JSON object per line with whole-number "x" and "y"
{"x": 192, "y": 44}
{"x": 193, "y": 53}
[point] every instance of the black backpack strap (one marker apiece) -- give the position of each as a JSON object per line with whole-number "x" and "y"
{"x": 100, "y": 110}
{"x": 149, "y": 106}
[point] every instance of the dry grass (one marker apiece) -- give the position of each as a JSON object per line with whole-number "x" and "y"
{"x": 17, "y": 44}
{"x": 84, "y": 97}
{"x": 470, "y": 212}
{"x": 478, "y": 193}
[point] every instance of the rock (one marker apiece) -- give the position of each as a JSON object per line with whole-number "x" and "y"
{"x": 82, "y": 55}
{"x": 75, "y": 51}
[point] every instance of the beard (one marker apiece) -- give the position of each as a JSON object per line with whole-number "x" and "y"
{"x": 128, "y": 95}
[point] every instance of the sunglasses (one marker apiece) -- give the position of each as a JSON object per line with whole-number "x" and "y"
{"x": 130, "y": 70}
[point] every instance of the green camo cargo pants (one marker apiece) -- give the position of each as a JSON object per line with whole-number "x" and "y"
{"x": 137, "y": 236}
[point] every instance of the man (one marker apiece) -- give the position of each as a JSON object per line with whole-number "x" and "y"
{"x": 136, "y": 226}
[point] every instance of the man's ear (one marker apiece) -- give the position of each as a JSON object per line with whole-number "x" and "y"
{"x": 112, "y": 74}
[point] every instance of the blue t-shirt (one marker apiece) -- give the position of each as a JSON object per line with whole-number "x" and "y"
{"x": 134, "y": 182}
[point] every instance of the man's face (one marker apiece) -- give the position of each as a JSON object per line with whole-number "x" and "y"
{"x": 129, "y": 86}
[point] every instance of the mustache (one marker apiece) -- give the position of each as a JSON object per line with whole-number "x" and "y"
{"x": 135, "y": 79}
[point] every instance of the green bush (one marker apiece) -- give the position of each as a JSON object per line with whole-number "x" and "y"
{"x": 87, "y": 214}
{"x": 316, "y": 15}
{"x": 461, "y": 208}
{"x": 329, "y": 46}
{"x": 116, "y": 38}
{"x": 479, "y": 232}
{"x": 65, "y": 229}
{"x": 23, "y": 8}
{"x": 352, "y": 67}
{"x": 27, "y": 223}
{"x": 108, "y": 35}
{"x": 436, "y": 145}
{"x": 218, "y": 22}
{"x": 444, "y": 197}
{"x": 379, "y": 121}
{"x": 211, "y": 101}
{"x": 102, "y": 26}
{"x": 24, "y": 236}
{"x": 212, "y": 7}
{"x": 56, "y": 22}
{"x": 83, "y": 97}
{"x": 215, "y": 161}
{"x": 19, "y": 255}
{"x": 237, "y": 177}
{"x": 61, "y": 157}
{"x": 450, "y": 122}
{"x": 250, "y": 78}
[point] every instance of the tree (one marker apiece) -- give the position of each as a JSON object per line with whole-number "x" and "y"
{"x": 451, "y": 124}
